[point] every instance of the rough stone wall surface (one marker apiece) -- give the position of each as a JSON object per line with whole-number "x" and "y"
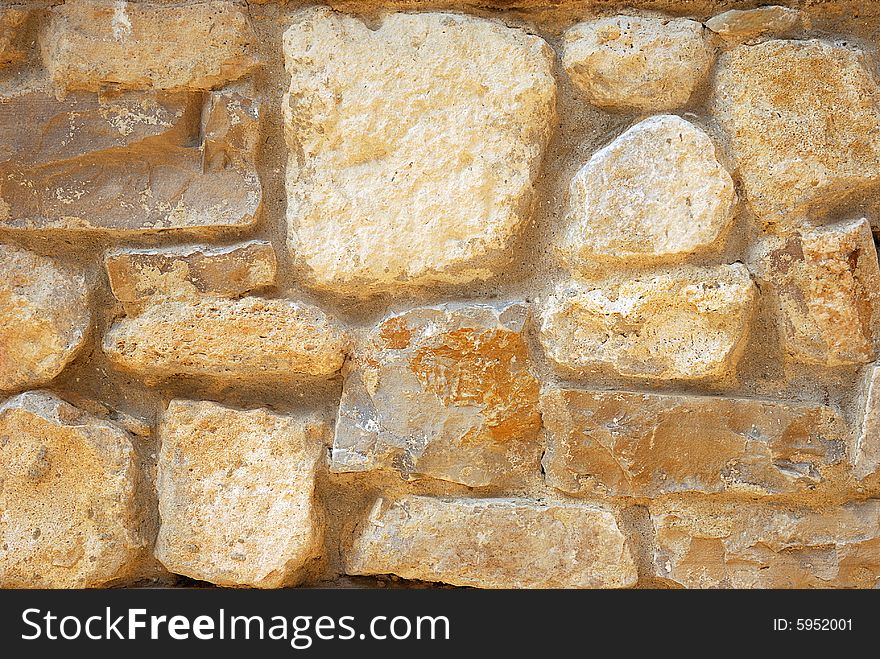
{"x": 508, "y": 293}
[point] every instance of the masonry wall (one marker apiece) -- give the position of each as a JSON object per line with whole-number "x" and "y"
{"x": 506, "y": 294}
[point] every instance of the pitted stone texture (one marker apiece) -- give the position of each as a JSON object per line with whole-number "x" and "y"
{"x": 746, "y": 25}
{"x": 634, "y": 62}
{"x": 802, "y": 122}
{"x": 825, "y": 284}
{"x": 128, "y": 163}
{"x": 226, "y": 340}
{"x": 44, "y": 317}
{"x": 645, "y": 445}
{"x": 656, "y": 193}
{"x": 90, "y": 44}
{"x": 494, "y": 543}
{"x": 682, "y": 324}
{"x": 70, "y": 517}
{"x": 139, "y": 274}
{"x": 237, "y": 494}
{"x": 866, "y": 455}
{"x": 11, "y": 20}
{"x": 445, "y": 393}
{"x": 749, "y": 545}
{"x": 413, "y": 147}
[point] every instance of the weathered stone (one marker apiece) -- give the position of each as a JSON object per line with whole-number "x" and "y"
{"x": 656, "y": 193}
{"x": 442, "y": 392}
{"x": 44, "y": 317}
{"x": 644, "y": 445}
{"x": 127, "y": 162}
{"x": 222, "y": 339}
{"x": 866, "y": 454}
{"x": 749, "y": 545}
{"x": 494, "y": 543}
{"x": 635, "y": 62}
{"x": 801, "y": 118}
{"x": 236, "y": 494}
{"x": 680, "y": 324}
{"x": 11, "y": 20}
{"x": 825, "y": 284}
{"x": 90, "y": 44}
{"x": 744, "y": 25}
{"x": 413, "y": 147}
{"x": 68, "y": 499}
{"x": 139, "y": 274}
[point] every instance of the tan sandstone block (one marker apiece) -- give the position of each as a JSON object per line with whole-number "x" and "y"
{"x": 802, "y": 122}
{"x": 237, "y": 494}
{"x": 69, "y": 504}
{"x": 90, "y": 44}
{"x": 494, "y": 543}
{"x": 128, "y": 162}
{"x": 227, "y": 340}
{"x": 681, "y": 324}
{"x": 866, "y": 454}
{"x": 744, "y": 25}
{"x": 139, "y": 274}
{"x": 413, "y": 147}
{"x": 11, "y": 21}
{"x": 634, "y": 62}
{"x": 44, "y": 317}
{"x": 749, "y": 545}
{"x": 443, "y": 392}
{"x": 656, "y": 193}
{"x": 644, "y": 445}
{"x": 825, "y": 284}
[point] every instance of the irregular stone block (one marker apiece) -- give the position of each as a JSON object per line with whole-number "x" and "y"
{"x": 802, "y": 122}
{"x": 44, "y": 317}
{"x": 682, "y": 324}
{"x": 750, "y": 545}
{"x": 866, "y": 454}
{"x": 128, "y": 163}
{"x": 825, "y": 283}
{"x": 138, "y": 274}
{"x": 11, "y": 20}
{"x": 635, "y": 62}
{"x": 70, "y": 512}
{"x": 413, "y": 147}
{"x": 644, "y": 445}
{"x": 442, "y": 392}
{"x": 226, "y": 340}
{"x": 237, "y": 494}
{"x": 494, "y": 543}
{"x": 656, "y": 193}
{"x": 744, "y": 25}
{"x": 90, "y": 44}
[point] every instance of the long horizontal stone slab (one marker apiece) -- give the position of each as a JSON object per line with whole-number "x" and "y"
{"x": 752, "y": 545}
{"x": 644, "y": 445}
{"x": 494, "y": 543}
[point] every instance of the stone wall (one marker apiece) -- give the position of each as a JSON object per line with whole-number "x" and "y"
{"x": 493, "y": 294}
